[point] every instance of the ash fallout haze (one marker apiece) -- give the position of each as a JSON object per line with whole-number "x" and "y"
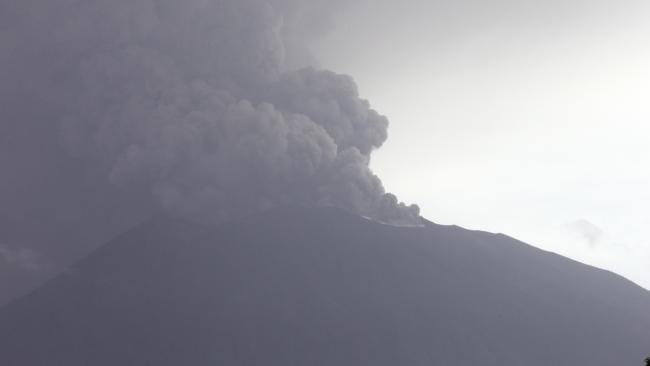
{"x": 187, "y": 182}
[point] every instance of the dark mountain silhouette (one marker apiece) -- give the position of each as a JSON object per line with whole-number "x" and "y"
{"x": 322, "y": 287}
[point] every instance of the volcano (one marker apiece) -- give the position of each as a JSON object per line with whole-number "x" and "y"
{"x": 320, "y": 286}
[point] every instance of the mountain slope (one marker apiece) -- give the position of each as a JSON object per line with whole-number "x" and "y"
{"x": 323, "y": 287}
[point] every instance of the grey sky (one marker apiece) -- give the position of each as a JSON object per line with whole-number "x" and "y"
{"x": 513, "y": 116}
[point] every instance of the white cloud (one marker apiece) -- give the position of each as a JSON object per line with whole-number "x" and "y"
{"x": 587, "y": 231}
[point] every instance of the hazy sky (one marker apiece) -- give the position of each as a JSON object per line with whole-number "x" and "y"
{"x": 528, "y": 118}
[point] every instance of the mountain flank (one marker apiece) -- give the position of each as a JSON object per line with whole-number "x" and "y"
{"x": 320, "y": 286}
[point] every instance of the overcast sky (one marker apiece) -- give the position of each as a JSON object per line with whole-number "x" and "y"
{"x": 528, "y": 118}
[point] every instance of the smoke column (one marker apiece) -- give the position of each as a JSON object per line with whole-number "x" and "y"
{"x": 193, "y": 104}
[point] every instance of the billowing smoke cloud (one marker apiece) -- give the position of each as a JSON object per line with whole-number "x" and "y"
{"x": 196, "y": 103}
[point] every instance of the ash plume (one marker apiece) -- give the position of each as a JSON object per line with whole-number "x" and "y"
{"x": 195, "y": 103}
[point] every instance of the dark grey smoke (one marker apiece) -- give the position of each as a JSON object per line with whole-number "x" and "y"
{"x": 113, "y": 110}
{"x": 193, "y": 101}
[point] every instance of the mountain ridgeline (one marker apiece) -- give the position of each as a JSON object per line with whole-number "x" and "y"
{"x": 323, "y": 287}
